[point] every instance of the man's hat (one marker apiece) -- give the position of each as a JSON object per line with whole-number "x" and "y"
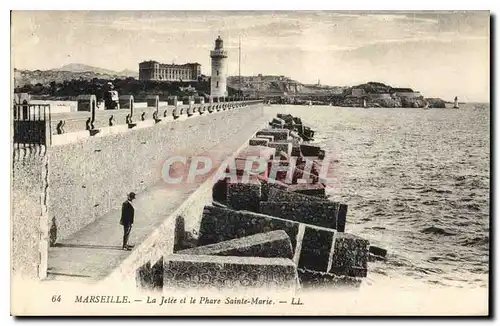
{"x": 131, "y": 195}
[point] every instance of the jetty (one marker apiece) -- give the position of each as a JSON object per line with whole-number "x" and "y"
{"x": 71, "y": 172}
{"x": 274, "y": 229}
{"x": 269, "y": 224}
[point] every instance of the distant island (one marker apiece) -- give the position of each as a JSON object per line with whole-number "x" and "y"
{"x": 69, "y": 81}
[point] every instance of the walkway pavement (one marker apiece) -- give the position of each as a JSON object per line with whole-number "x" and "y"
{"x": 95, "y": 251}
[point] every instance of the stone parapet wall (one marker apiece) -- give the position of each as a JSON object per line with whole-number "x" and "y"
{"x": 76, "y": 121}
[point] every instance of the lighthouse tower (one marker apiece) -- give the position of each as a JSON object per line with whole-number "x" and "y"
{"x": 218, "y": 86}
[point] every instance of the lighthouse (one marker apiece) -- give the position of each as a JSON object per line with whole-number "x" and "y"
{"x": 218, "y": 86}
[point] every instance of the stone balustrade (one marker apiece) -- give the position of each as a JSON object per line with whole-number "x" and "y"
{"x": 173, "y": 109}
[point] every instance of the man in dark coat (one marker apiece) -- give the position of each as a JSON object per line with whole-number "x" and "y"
{"x": 127, "y": 220}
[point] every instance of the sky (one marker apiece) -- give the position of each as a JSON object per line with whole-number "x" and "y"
{"x": 441, "y": 54}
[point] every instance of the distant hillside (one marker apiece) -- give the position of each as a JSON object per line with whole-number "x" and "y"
{"x": 68, "y": 72}
{"x": 78, "y": 67}
{"x": 265, "y": 84}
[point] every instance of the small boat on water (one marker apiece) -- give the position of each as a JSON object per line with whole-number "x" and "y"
{"x": 310, "y": 103}
{"x": 455, "y": 105}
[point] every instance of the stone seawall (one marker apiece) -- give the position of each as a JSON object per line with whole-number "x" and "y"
{"x": 29, "y": 221}
{"x": 91, "y": 177}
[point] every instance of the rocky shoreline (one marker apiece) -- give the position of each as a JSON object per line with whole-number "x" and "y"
{"x": 393, "y": 102}
{"x": 371, "y": 94}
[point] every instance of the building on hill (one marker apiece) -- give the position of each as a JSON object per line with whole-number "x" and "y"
{"x": 153, "y": 70}
{"x": 402, "y": 90}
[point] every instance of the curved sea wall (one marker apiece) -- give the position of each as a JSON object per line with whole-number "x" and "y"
{"x": 89, "y": 178}
{"x": 59, "y": 189}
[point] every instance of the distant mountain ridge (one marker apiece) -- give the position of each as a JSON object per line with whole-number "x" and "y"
{"x": 68, "y": 72}
{"x": 79, "y": 67}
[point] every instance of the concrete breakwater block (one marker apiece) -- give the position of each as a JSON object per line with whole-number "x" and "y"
{"x": 247, "y": 166}
{"x": 268, "y": 137}
{"x": 288, "y": 118}
{"x": 281, "y": 147}
{"x": 266, "y": 185}
{"x": 303, "y": 177}
{"x": 150, "y": 276}
{"x": 144, "y": 276}
{"x": 378, "y": 251}
{"x": 218, "y": 204}
{"x": 295, "y": 138}
{"x": 283, "y": 156}
{"x": 221, "y": 224}
{"x": 297, "y": 120}
{"x": 310, "y": 189}
{"x": 244, "y": 196}
{"x": 180, "y": 234}
{"x": 296, "y": 150}
{"x": 285, "y": 194}
{"x": 279, "y": 123}
{"x": 220, "y": 272}
{"x": 309, "y": 150}
{"x": 219, "y": 191}
{"x": 276, "y": 126}
{"x": 279, "y": 169}
{"x": 264, "y": 152}
{"x": 312, "y": 167}
{"x": 350, "y": 255}
{"x": 314, "y": 213}
{"x": 157, "y": 274}
{"x": 341, "y": 218}
{"x": 316, "y": 280}
{"x": 258, "y": 142}
{"x": 316, "y": 247}
{"x": 269, "y": 244}
{"x": 278, "y": 134}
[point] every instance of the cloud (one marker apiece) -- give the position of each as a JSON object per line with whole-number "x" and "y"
{"x": 302, "y": 44}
